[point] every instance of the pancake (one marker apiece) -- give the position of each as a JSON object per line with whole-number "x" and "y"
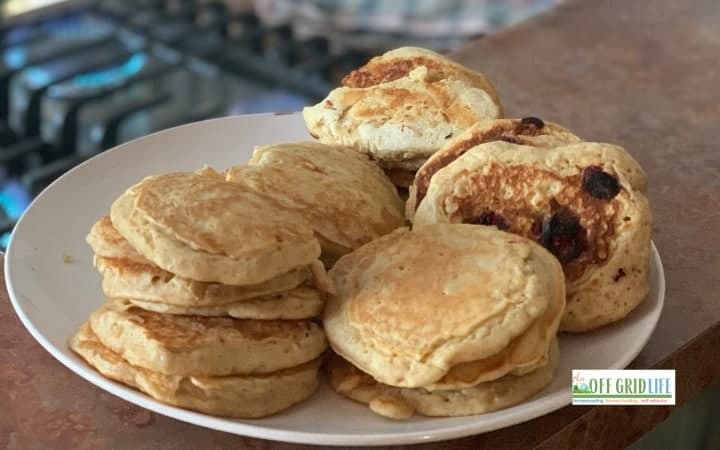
{"x": 209, "y": 346}
{"x": 246, "y": 396}
{"x": 411, "y": 305}
{"x": 403, "y": 106}
{"x": 205, "y": 229}
{"x": 106, "y": 241}
{"x": 582, "y": 201}
{"x": 529, "y": 131}
{"x": 401, "y": 403}
{"x": 127, "y": 274}
{"x": 343, "y": 194}
{"x": 297, "y": 303}
{"x": 127, "y": 279}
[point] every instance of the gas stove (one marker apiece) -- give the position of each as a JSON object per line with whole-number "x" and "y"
{"x": 78, "y": 80}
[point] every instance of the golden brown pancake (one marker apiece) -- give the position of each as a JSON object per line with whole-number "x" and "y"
{"x": 127, "y": 279}
{"x": 106, "y": 241}
{"x": 146, "y": 282}
{"x": 411, "y": 305}
{"x": 401, "y": 403}
{"x": 299, "y": 303}
{"x": 210, "y": 346}
{"x": 240, "y": 396}
{"x": 524, "y": 354}
{"x": 205, "y": 229}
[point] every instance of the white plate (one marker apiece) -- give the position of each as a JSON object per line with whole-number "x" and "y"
{"x": 53, "y": 296}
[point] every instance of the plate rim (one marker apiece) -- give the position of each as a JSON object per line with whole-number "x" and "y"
{"x": 252, "y": 428}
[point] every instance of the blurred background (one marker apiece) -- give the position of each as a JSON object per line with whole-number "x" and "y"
{"x": 79, "y": 77}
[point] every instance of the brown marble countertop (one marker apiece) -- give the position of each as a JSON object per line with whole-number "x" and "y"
{"x": 644, "y": 75}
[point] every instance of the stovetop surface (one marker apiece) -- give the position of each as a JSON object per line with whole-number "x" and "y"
{"x": 77, "y": 81}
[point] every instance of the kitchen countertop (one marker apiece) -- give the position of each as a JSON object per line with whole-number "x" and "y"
{"x": 644, "y": 76}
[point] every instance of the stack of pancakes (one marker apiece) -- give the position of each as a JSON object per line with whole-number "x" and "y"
{"x": 213, "y": 290}
{"x": 520, "y": 228}
{"x": 402, "y": 107}
{"x": 444, "y": 320}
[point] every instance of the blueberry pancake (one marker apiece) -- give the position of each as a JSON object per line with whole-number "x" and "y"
{"x": 530, "y": 131}
{"x": 584, "y": 202}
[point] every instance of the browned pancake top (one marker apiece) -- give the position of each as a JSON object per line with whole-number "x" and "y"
{"x": 377, "y": 72}
{"x": 181, "y": 331}
{"x": 516, "y": 131}
{"x": 516, "y": 214}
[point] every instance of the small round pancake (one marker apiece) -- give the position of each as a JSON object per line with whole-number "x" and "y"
{"x": 529, "y": 131}
{"x": 210, "y": 346}
{"x": 295, "y": 304}
{"x": 206, "y": 229}
{"x": 107, "y": 242}
{"x": 583, "y": 201}
{"x": 406, "y": 107}
{"x": 146, "y": 282}
{"x": 127, "y": 274}
{"x": 401, "y": 403}
{"x": 342, "y": 193}
{"x": 411, "y": 305}
{"x": 239, "y": 396}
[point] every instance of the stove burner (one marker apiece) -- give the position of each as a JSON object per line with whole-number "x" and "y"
{"x": 77, "y": 82}
{"x": 112, "y": 76}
